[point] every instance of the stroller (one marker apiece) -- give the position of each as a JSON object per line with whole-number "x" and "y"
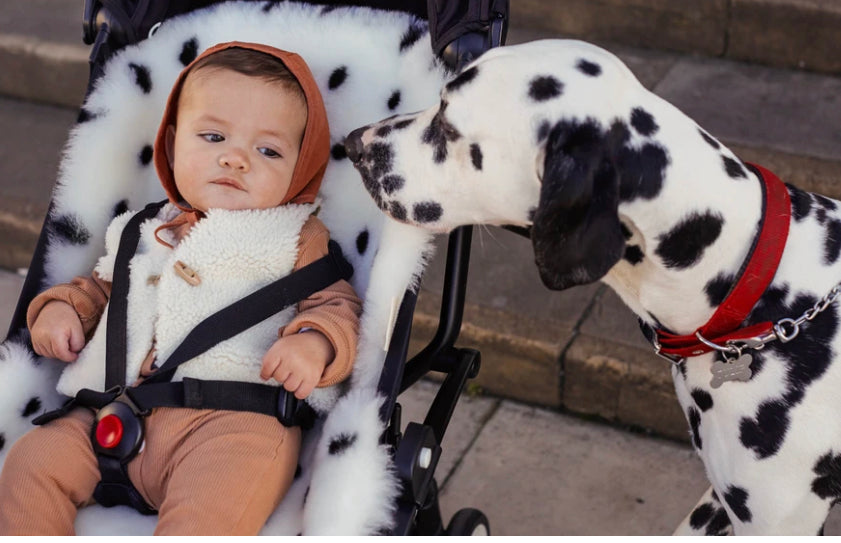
{"x": 368, "y": 62}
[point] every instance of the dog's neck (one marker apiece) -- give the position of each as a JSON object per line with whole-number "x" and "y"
{"x": 685, "y": 248}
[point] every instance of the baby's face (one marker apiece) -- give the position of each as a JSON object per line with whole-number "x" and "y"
{"x": 237, "y": 140}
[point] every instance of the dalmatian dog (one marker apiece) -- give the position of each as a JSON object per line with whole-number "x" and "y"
{"x": 616, "y": 184}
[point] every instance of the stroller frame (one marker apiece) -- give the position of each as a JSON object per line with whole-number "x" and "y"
{"x": 417, "y": 450}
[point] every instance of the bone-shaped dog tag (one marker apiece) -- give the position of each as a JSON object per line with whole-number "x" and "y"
{"x": 731, "y": 370}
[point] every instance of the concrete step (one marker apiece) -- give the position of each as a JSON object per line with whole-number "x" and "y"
{"x": 797, "y": 34}
{"x": 577, "y": 350}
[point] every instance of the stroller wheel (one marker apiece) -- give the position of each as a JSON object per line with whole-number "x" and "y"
{"x": 469, "y": 522}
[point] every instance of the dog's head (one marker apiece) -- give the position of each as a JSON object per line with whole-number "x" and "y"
{"x": 526, "y": 135}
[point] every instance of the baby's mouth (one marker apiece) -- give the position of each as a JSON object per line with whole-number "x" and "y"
{"x": 228, "y": 182}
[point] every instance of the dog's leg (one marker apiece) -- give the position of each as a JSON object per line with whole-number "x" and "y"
{"x": 708, "y": 517}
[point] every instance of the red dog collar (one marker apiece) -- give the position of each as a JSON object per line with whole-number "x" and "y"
{"x": 758, "y": 271}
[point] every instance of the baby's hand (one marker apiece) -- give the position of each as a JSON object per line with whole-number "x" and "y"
{"x": 57, "y": 332}
{"x": 298, "y": 361}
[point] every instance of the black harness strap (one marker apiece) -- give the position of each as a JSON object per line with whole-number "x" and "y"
{"x": 115, "y": 348}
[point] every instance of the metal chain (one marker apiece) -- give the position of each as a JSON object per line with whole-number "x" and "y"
{"x": 787, "y": 329}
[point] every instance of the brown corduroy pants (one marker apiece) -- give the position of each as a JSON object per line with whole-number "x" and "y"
{"x": 206, "y": 472}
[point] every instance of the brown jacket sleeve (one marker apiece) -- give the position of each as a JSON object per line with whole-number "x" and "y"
{"x": 87, "y": 296}
{"x": 333, "y": 311}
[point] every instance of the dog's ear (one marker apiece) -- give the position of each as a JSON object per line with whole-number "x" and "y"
{"x": 576, "y": 233}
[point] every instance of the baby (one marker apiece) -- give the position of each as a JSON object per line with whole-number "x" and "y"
{"x": 241, "y": 151}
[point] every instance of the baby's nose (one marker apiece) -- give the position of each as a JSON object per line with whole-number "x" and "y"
{"x": 235, "y": 159}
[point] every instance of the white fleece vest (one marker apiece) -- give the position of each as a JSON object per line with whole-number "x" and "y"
{"x": 233, "y": 253}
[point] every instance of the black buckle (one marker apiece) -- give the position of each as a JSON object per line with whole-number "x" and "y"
{"x": 131, "y": 426}
{"x": 287, "y": 407}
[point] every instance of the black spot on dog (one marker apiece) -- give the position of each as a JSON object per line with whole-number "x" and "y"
{"x": 462, "y": 79}
{"x": 141, "y": 77}
{"x": 733, "y": 168}
{"x": 306, "y": 495}
{"x": 425, "y": 212}
{"x": 709, "y": 139}
{"x": 145, "y": 155}
{"x": 391, "y": 183}
{"x": 589, "y": 68}
{"x": 85, "y": 116}
{"x": 412, "y": 35}
{"x": 832, "y": 242}
{"x": 400, "y": 125}
{"x": 439, "y": 133}
{"x": 32, "y": 407}
{"x": 383, "y": 131}
{"x": 718, "y": 287}
{"x": 2, "y": 441}
{"x": 737, "y": 499}
{"x": 338, "y": 77}
{"x": 825, "y": 202}
{"x": 801, "y": 202}
{"x": 820, "y": 214}
{"x": 380, "y": 156}
{"x": 545, "y": 87}
{"x": 764, "y": 434}
{"x": 806, "y": 358}
{"x": 641, "y": 171}
{"x": 634, "y": 254}
{"x": 694, "y": 425}
{"x": 362, "y": 242}
{"x": 397, "y": 211}
{"x": 701, "y": 516}
{"x": 702, "y": 399}
{"x": 543, "y": 130}
{"x": 340, "y": 443}
{"x": 719, "y": 523}
{"x": 476, "y": 156}
{"x": 643, "y": 122}
{"x": 338, "y": 151}
{"x": 70, "y": 229}
{"x": 393, "y": 100}
{"x": 298, "y": 471}
{"x": 120, "y": 208}
{"x": 685, "y": 243}
{"x": 189, "y": 51}
{"x": 827, "y": 484}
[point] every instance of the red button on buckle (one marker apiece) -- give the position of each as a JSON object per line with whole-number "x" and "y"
{"x": 109, "y": 431}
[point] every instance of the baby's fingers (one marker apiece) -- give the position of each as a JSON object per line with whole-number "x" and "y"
{"x": 271, "y": 361}
{"x": 304, "y": 390}
{"x": 60, "y": 346}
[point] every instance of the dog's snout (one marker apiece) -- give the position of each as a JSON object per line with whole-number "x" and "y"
{"x": 353, "y": 144}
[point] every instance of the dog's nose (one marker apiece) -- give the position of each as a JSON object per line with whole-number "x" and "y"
{"x": 353, "y": 144}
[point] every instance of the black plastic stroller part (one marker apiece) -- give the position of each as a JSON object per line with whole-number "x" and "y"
{"x": 419, "y": 449}
{"x": 461, "y": 31}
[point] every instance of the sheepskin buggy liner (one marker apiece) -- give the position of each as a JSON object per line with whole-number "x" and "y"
{"x": 359, "y": 473}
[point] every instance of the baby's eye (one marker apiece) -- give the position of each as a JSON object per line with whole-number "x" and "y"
{"x": 212, "y": 137}
{"x": 271, "y": 153}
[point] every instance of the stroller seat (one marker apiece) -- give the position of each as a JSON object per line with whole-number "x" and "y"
{"x": 369, "y": 64}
